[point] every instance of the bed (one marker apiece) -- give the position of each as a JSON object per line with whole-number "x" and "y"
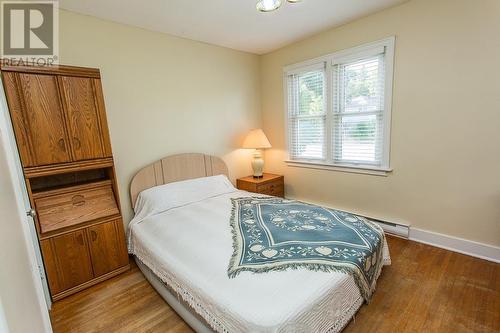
{"x": 184, "y": 249}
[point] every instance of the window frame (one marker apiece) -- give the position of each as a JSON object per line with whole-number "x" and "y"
{"x": 385, "y": 45}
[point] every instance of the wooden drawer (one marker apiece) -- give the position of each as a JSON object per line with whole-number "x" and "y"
{"x": 269, "y": 184}
{"x": 70, "y": 206}
{"x": 275, "y": 189}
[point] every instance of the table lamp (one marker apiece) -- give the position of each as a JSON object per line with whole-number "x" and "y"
{"x": 257, "y": 140}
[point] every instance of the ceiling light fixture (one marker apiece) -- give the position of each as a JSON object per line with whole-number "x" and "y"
{"x": 270, "y": 5}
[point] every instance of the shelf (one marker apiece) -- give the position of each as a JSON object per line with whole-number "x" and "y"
{"x": 71, "y": 188}
{"x": 54, "y": 169}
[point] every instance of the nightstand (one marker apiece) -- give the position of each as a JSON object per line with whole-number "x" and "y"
{"x": 269, "y": 184}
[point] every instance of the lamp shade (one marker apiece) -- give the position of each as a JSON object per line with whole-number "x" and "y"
{"x": 256, "y": 139}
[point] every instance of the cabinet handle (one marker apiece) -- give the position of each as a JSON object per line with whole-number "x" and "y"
{"x": 93, "y": 235}
{"x": 77, "y": 142}
{"x": 31, "y": 213}
{"x": 61, "y": 144}
{"x": 79, "y": 238}
{"x": 78, "y": 200}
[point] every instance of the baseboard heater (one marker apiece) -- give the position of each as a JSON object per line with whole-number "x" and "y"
{"x": 400, "y": 230}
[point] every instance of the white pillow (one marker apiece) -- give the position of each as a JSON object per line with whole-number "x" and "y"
{"x": 161, "y": 198}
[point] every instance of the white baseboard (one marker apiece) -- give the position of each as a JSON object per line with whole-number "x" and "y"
{"x": 460, "y": 245}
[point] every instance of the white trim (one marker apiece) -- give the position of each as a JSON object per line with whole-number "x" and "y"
{"x": 308, "y": 68}
{"x": 455, "y": 244}
{"x": 295, "y": 68}
{"x": 385, "y": 46}
{"x": 354, "y": 54}
{"x": 389, "y": 84}
{"x": 366, "y": 170}
{"x": 285, "y": 97}
{"x": 341, "y": 53}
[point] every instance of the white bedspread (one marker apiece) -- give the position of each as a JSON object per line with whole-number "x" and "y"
{"x": 189, "y": 248}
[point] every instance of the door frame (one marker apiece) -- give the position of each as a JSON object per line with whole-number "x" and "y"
{"x": 27, "y": 223}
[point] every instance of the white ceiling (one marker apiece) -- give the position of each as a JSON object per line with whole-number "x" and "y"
{"x": 231, "y": 23}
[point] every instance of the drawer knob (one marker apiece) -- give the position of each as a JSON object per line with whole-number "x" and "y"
{"x": 79, "y": 239}
{"x": 78, "y": 200}
{"x": 77, "y": 142}
{"x": 62, "y": 144}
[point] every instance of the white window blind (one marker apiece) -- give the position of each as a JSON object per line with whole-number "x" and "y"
{"x": 307, "y": 114}
{"x": 358, "y": 111}
{"x": 338, "y": 108}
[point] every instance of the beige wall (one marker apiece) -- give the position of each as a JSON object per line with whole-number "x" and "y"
{"x": 445, "y": 120}
{"x": 166, "y": 95}
{"x": 17, "y": 291}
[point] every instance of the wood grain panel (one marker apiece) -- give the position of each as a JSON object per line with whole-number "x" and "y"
{"x": 269, "y": 184}
{"x": 44, "y": 120}
{"x": 101, "y": 112}
{"x": 182, "y": 167}
{"x": 246, "y": 186}
{"x": 107, "y": 247}
{"x": 54, "y": 169}
{"x": 219, "y": 167}
{"x": 74, "y": 205}
{"x": 67, "y": 261}
{"x": 52, "y": 70}
{"x": 176, "y": 168}
{"x": 275, "y": 189}
{"x": 82, "y": 117}
{"x": 17, "y": 116}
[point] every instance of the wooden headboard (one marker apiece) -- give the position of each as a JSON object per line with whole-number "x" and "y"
{"x": 176, "y": 168}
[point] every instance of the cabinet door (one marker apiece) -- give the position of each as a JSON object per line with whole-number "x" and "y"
{"x": 82, "y": 115}
{"x": 67, "y": 261}
{"x": 37, "y": 116}
{"x": 107, "y": 247}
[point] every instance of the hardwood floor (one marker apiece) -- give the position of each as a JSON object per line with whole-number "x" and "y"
{"x": 425, "y": 290}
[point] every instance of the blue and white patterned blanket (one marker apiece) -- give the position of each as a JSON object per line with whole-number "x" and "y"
{"x": 275, "y": 234}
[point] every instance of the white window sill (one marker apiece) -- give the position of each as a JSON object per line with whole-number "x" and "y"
{"x": 351, "y": 168}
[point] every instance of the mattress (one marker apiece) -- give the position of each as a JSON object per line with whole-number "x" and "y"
{"x": 189, "y": 248}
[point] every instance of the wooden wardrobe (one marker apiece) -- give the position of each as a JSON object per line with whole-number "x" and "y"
{"x": 60, "y": 126}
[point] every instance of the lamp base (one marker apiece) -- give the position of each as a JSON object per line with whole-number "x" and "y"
{"x": 257, "y": 164}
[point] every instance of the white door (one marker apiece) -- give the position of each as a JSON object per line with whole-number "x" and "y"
{"x": 11, "y": 149}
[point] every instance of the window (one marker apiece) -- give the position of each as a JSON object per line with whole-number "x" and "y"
{"x": 338, "y": 108}
{"x": 307, "y": 114}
